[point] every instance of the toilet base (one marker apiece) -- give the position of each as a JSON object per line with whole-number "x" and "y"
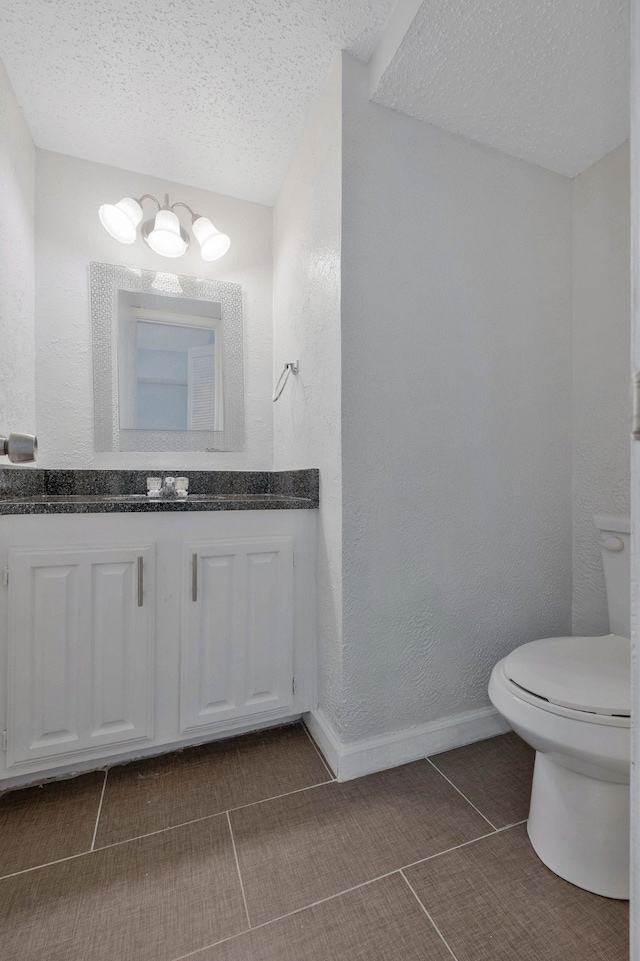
{"x": 579, "y": 828}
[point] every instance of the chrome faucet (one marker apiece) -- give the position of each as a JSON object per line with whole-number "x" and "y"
{"x": 168, "y": 488}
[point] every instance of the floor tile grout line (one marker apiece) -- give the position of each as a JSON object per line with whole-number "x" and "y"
{"x": 449, "y": 781}
{"x": 463, "y": 844}
{"x": 47, "y": 864}
{"x": 277, "y": 797}
{"x": 318, "y": 751}
{"x": 139, "y": 837}
{"x": 235, "y": 854}
{"x": 339, "y": 894}
{"x": 95, "y": 830}
{"x": 171, "y": 827}
{"x": 433, "y": 923}
{"x": 289, "y": 914}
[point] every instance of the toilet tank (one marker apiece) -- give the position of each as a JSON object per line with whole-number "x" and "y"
{"x": 615, "y": 548}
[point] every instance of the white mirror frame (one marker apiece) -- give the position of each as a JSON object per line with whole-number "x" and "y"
{"x": 106, "y": 280}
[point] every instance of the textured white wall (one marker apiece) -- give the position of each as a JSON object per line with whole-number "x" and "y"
{"x": 307, "y": 229}
{"x": 601, "y": 312}
{"x": 17, "y": 172}
{"x": 456, "y": 360}
{"x": 69, "y": 236}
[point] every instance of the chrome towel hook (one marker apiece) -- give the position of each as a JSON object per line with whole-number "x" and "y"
{"x": 291, "y": 368}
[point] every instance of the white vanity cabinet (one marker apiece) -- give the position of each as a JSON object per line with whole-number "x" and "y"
{"x": 122, "y": 634}
{"x": 80, "y": 650}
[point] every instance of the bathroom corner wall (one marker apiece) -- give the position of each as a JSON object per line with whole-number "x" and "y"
{"x": 17, "y": 284}
{"x": 456, "y": 434}
{"x": 601, "y": 375}
{"x": 69, "y": 236}
{"x": 307, "y": 429}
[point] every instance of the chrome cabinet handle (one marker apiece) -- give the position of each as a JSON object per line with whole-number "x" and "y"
{"x": 140, "y": 581}
{"x": 194, "y": 577}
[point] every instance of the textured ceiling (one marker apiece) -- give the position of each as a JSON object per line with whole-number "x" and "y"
{"x": 213, "y": 93}
{"x": 544, "y": 80}
{"x": 216, "y": 93}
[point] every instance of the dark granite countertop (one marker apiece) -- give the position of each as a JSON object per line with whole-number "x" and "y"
{"x": 102, "y": 492}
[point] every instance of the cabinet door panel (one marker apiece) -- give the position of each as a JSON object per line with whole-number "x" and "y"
{"x": 43, "y": 682}
{"x": 214, "y": 641}
{"x": 237, "y": 635}
{"x": 268, "y": 667}
{"x": 120, "y": 651}
{"x": 210, "y": 657}
{"x": 80, "y": 652}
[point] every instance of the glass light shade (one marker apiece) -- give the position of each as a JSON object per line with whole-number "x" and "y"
{"x": 165, "y": 238}
{"x": 213, "y": 244}
{"x": 121, "y": 219}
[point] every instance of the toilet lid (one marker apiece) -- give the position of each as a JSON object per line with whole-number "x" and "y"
{"x": 583, "y": 673}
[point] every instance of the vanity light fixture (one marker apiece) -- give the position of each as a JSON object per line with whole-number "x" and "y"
{"x": 164, "y": 232}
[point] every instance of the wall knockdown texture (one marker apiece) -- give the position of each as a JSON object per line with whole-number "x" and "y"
{"x": 456, "y": 359}
{"x": 306, "y": 249}
{"x": 601, "y": 373}
{"x": 17, "y": 283}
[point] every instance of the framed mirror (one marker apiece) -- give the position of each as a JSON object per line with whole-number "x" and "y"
{"x": 167, "y": 361}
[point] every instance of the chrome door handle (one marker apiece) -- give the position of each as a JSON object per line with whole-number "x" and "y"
{"x": 194, "y": 577}
{"x": 635, "y": 423}
{"x": 140, "y": 581}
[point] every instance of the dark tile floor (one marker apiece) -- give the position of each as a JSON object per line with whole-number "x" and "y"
{"x": 248, "y": 850}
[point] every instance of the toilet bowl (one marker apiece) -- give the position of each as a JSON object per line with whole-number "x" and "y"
{"x": 569, "y": 698}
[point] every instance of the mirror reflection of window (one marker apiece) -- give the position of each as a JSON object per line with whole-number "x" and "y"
{"x": 136, "y": 316}
{"x": 170, "y": 370}
{"x": 175, "y": 377}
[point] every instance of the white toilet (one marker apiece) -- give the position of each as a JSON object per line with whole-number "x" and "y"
{"x": 570, "y": 699}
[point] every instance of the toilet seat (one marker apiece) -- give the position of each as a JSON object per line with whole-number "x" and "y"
{"x": 582, "y": 674}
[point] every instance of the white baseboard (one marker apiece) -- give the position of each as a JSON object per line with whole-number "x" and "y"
{"x": 354, "y": 759}
{"x": 322, "y": 732}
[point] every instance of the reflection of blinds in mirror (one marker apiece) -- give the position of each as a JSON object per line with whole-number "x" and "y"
{"x": 202, "y": 388}
{"x": 125, "y": 300}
